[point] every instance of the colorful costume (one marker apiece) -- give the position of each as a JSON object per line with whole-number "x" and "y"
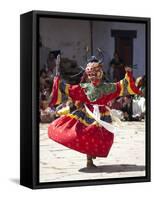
{"x": 78, "y": 130}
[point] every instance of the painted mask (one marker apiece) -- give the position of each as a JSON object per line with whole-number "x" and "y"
{"x": 94, "y": 72}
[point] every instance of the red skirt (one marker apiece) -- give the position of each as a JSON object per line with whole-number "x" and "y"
{"x": 75, "y": 134}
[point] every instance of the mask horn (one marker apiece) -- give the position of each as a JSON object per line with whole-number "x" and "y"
{"x": 93, "y": 59}
{"x": 101, "y": 53}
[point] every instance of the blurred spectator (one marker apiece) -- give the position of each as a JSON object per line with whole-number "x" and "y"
{"x": 51, "y": 62}
{"x": 43, "y": 77}
{"x": 118, "y": 67}
{"x": 117, "y": 103}
{"x": 47, "y": 114}
{"x": 139, "y": 101}
{"x": 122, "y": 107}
{"x": 127, "y": 107}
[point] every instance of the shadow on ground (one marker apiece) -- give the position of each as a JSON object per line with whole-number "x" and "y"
{"x": 15, "y": 180}
{"x": 113, "y": 169}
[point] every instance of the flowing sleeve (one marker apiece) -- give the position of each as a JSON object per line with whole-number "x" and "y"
{"x": 62, "y": 91}
{"x": 127, "y": 85}
{"x": 124, "y": 87}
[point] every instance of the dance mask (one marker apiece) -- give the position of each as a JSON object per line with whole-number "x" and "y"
{"x": 94, "y": 72}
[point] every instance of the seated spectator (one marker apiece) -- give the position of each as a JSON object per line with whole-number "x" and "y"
{"x": 116, "y": 106}
{"x": 139, "y": 101}
{"x": 47, "y": 114}
{"x": 51, "y": 62}
{"x": 43, "y": 77}
{"x": 127, "y": 107}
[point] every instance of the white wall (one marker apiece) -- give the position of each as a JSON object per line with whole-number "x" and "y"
{"x": 103, "y": 39}
{"x": 72, "y": 37}
{"x": 69, "y": 36}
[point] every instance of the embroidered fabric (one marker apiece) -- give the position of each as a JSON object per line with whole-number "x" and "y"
{"x": 96, "y": 116}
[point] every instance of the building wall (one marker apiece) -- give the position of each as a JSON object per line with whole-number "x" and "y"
{"x": 68, "y": 35}
{"x": 102, "y": 38}
{"x": 73, "y": 36}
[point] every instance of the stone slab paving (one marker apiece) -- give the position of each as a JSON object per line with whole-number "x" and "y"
{"x": 126, "y": 158}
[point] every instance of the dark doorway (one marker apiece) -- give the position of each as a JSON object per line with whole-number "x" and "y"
{"x": 124, "y": 44}
{"x": 125, "y": 49}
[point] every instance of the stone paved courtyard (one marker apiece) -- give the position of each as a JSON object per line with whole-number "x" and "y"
{"x": 126, "y": 158}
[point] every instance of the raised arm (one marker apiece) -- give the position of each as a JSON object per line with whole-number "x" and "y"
{"x": 122, "y": 88}
{"x": 127, "y": 85}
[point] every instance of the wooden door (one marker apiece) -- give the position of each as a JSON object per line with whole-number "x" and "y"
{"x": 124, "y": 44}
{"x": 125, "y": 48}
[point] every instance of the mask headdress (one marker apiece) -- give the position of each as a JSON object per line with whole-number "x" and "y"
{"x": 93, "y": 69}
{"x": 93, "y": 59}
{"x": 100, "y": 55}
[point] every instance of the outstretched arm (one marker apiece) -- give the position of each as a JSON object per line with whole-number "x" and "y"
{"x": 62, "y": 91}
{"x": 127, "y": 85}
{"x": 122, "y": 88}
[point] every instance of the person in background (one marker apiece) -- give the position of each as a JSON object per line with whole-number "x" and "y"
{"x": 47, "y": 114}
{"x": 139, "y": 100}
{"x": 127, "y": 107}
{"x": 43, "y": 78}
{"x": 51, "y": 62}
{"x": 117, "y": 66}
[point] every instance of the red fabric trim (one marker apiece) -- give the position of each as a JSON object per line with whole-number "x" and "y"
{"x": 54, "y": 95}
